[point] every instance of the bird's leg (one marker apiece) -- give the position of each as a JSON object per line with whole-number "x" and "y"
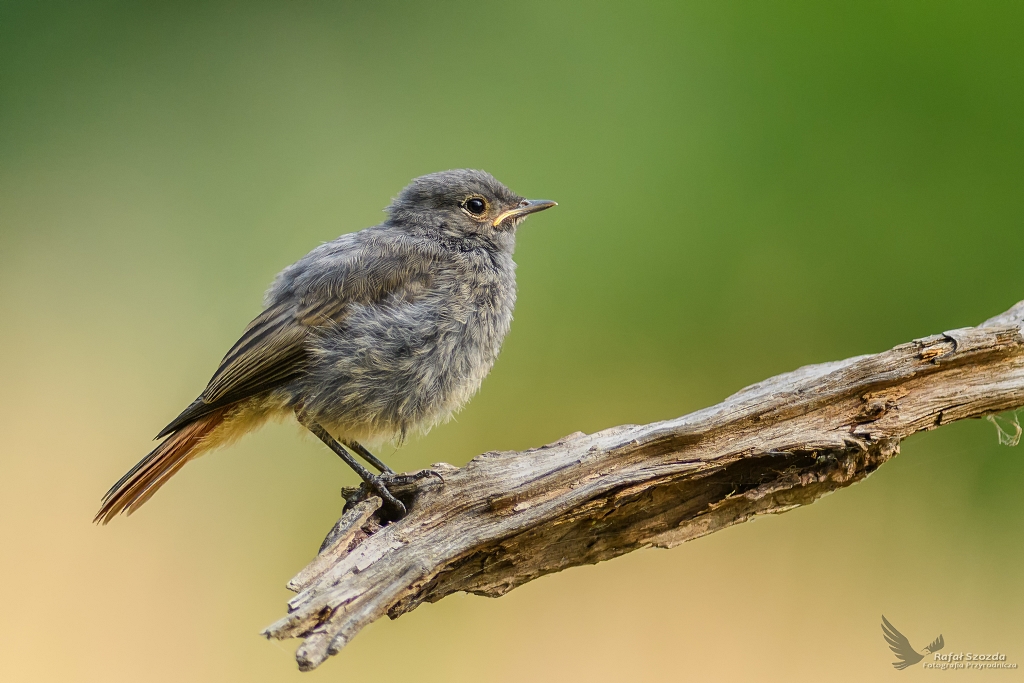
{"x": 386, "y": 473}
{"x": 360, "y": 449}
{"x": 373, "y": 481}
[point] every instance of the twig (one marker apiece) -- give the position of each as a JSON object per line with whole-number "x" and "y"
{"x": 509, "y": 517}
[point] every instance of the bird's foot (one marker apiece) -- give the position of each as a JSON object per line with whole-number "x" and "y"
{"x": 387, "y": 485}
{"x": 407, "y": 478}
{"x": 378, "y": 484}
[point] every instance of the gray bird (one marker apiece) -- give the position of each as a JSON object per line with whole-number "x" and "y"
{"x": 371, "y": 337}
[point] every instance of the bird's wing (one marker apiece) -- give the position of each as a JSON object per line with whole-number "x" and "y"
{"x": 900, "y": 646}
{"x": 936, "y": 644}
{"x": 273, "y": 350}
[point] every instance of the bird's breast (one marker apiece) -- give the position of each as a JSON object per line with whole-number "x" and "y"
{"x": 410, "y": 362}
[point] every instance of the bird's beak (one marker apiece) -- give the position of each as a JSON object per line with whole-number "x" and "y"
{"x": 525, "y": 208}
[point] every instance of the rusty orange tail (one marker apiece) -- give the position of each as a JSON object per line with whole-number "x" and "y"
{"x": 143, "y": 480}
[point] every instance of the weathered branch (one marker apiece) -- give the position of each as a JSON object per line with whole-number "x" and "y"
{"x": 507, "y": 518}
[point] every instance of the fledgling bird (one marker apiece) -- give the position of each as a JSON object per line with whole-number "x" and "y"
{"x": 373, "y": 336}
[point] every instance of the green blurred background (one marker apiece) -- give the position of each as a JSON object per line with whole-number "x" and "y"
{"x": 744, "y": 188}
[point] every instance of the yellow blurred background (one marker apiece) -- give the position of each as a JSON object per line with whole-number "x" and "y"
{"x": 744, "y": 188}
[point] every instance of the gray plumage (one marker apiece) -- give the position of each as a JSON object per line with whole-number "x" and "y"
{"x": 375, "y": 335}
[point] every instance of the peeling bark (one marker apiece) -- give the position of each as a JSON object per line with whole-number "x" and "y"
{"x": 507, "y": 518}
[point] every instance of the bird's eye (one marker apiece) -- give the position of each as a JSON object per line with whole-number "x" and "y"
{"x": 475, "y": 206}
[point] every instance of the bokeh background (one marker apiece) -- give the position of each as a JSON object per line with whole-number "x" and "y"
{"x": 744, "y": 188}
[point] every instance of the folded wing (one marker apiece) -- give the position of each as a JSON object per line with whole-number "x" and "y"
{"x": 274, "y": 351}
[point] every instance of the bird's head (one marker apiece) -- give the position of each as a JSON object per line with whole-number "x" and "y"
{"x": 461, "y": 203}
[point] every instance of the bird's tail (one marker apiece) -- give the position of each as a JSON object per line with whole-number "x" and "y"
{"x": 153, "y": 471}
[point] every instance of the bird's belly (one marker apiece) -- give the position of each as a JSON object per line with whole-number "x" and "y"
{"x": 385, "y": 376}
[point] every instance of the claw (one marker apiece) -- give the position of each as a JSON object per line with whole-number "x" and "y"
{"x": 380, "y": 488}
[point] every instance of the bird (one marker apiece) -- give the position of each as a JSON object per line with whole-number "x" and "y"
{"x": 373, "y": 336}
{"x": 901, "y": 647}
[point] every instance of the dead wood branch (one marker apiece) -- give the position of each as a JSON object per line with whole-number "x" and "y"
{"x": 508, "y": 518}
